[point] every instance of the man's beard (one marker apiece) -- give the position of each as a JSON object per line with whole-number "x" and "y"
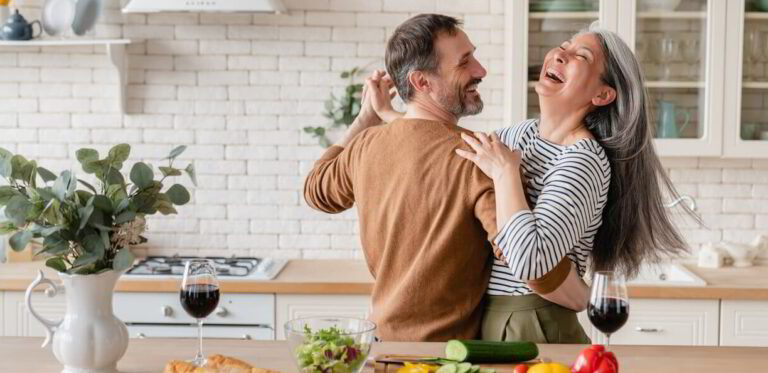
{"x": 457, "y": 102}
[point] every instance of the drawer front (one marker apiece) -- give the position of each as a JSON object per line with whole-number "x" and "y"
{"x": 247, "y": 309}
{"x": 190, "y": 331}
{"x": 664, "y": 322}
{"x": 744, "y": 323}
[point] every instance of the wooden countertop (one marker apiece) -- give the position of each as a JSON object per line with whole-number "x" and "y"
{"x": 351, "y": 277}
{"x": 23, "y": 354}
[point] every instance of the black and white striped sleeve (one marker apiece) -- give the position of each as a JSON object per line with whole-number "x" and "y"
{"x": 571, "y": 200}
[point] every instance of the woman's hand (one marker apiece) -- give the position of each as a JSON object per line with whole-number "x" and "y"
{"x": 381, "y": 90}
{"x": 491, "y": 155}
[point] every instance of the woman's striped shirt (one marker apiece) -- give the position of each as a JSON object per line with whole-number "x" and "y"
{"x": 567, "y": 186}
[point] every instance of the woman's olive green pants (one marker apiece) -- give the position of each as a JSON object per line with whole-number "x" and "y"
{"x": 530, "y": 318}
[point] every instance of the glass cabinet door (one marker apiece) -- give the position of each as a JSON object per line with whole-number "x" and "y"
{"x": 747, "y": 106}
{"x": 673, "y": 43}
{"x": 550, "y": 22}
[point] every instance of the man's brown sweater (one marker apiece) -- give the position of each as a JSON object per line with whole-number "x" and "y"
{"x": 426, "y": 216}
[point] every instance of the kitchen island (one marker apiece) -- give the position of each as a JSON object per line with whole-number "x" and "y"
{"x": 24, "y": 355}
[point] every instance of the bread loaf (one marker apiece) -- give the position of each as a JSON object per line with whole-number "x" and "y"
{"x": 215, "y": 364}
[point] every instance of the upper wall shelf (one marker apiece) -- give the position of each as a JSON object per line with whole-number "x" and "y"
{"x": 115, "y": 50}
{"x": 671, "y": 15}
{"x": 564, "y": 15}
{"x": 756, "y": 15}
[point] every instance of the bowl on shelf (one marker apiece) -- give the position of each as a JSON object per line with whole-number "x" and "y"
{"x": 330, "y": 344}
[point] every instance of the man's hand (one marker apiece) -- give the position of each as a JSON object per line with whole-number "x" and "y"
{"x": 367, "y": 117}
{"x": 381, "y": 89}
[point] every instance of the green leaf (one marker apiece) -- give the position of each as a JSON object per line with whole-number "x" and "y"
{"x": 176, "y": 152}
{"x": 123, "y": 260}
{"x": 47, "y": 231}
{"x": 6, "y": 193}
{"x": 85, "y": 214}
{"x": 118, "y": 154}
{"x": 63, "y": 187}
{"x": 45, "y": 193}
{"x": 122, "y": 205}
{"x": 20, "y": 239}
{"x": 17, "y": 167}
{"x": 93, "y": 244}
{"x": 54, "y": 244}
{"x": 345, "y": 74}
{"x": 319, "y": 131}
{"x": 85, "y": 260}
{"x": 86, "y": 155}
{"x": 178, "y": 194}
{"x": 45, "y": 174}
{"x": 7, "y": 227}
{"x": 141, "y": 175}
{"x": 6, "y": 168}
{"x": 4, "y": 153}
{"x": 17, "y": 210}
{"x": 328, "y": 105}
{"x": 170, "y": 171}
{"x": 88, "y": 185}
{"x": 115, "y": 177}
{"x": 52, "y": 212}
{"x": 95, "y": 167}
{"x": 84, "y": 196}
{"x": 57, "y": 263}
{"x": 309, "y": 129}
{"x": 125, "y": 217}
{"x": 190, "y": 170}
{"x": 164, "y": 206}
{"x": 99, "y": 218}
{"x": 30, "y": 173}
{"x": 102, "y": 203}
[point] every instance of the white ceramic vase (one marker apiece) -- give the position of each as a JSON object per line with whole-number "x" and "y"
{"x": 90, "y": 339}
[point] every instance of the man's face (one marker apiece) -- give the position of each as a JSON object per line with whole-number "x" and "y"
{"x": 458, "y": 74}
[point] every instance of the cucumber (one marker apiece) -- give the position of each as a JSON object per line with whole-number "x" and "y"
{"x": 447, "y": 368}
{"x": 490, "y": 352}
{"x": 474, "y": 369}
{"x": 463, "y": 367}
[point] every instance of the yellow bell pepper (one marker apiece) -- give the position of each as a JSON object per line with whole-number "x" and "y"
{"x": 549, "y": 368}
{"x": 417, "y": 368}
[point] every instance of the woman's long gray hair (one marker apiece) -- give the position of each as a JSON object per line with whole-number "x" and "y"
{"x": 635, "y": 225}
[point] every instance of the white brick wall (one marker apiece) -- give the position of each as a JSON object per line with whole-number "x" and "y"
{"x": 238, "y": 88}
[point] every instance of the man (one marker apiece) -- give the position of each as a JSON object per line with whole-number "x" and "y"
{"x": 426, "y": 215}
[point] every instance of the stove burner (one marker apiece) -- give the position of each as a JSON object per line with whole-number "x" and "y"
{"x": 165, "y": 265}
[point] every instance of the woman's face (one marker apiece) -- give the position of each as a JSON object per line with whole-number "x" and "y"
{"x": 570, "y": 75}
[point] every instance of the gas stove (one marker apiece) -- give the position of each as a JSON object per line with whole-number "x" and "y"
{"x": 227, "y": 268}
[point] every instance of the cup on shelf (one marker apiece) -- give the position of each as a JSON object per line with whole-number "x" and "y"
{"x": 764, "y": 135}
{"x": 692, "y": 55}
{"x": 753, "y": 54}
{"x": 749, "y": 131}
{"x": 668, "y": 53}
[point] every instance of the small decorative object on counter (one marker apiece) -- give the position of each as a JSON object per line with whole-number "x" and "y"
{"x": 744, "y": 254}
{"x": 595, "y": 359}
{"x": 711, "y": 256}
{"x": 16, "y": 27}
{"x": 87, "y": 234}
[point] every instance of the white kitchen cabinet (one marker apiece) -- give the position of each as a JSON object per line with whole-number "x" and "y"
{"x": 292, "y": 306}
{"x": 689, "y": 322}
{"x": 708, "y": 90}
{"x": 744, "y": 323}
{"x": 18, "y": 322}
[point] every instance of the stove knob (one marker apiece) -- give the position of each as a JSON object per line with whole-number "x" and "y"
{"x": 141, "y": 336}
{"x": 247, "y": 337}
{"x": 221, "y": 312}
{"x": 167, "y": 311}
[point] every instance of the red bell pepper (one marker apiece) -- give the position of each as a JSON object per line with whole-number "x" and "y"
{"x": 595, "y": 359}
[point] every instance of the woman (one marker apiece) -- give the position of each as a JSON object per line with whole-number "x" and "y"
{"x": 590, "y": 170}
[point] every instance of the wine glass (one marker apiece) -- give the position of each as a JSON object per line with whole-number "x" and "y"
{"x": 692, "y": 55}
{"x": 608, "y": 308}
{"x": 753, "y": 54}
{"x": 199, "y": 296}
{"x": 669, "y": 53}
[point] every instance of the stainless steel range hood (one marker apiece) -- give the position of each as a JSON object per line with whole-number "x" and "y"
{"x": 152, "y": 6}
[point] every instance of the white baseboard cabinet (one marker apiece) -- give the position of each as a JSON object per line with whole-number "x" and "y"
{"x": 292, "y": 306}
{"x": 744, "y": 323}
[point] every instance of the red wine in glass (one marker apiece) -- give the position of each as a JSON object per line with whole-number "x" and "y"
{"x": 199, "y": 296}
{"x": 199, "y": 300}
{"x": 608, "y": 314}
{"x": 608, "y": 308}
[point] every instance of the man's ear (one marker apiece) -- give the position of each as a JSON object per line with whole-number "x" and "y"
{"x": 605, "y": 96}
{"x": 419, "y": 81}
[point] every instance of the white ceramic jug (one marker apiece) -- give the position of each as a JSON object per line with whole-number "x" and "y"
{"x": 90, "y": 339}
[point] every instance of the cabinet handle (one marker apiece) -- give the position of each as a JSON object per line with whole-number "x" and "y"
{"x": 221, "y": 312}
{"x": 167, "y": 311}
{"x": 648, "y": 330}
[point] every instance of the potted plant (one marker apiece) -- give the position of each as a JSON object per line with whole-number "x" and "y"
{"x": 87, "y": 232}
